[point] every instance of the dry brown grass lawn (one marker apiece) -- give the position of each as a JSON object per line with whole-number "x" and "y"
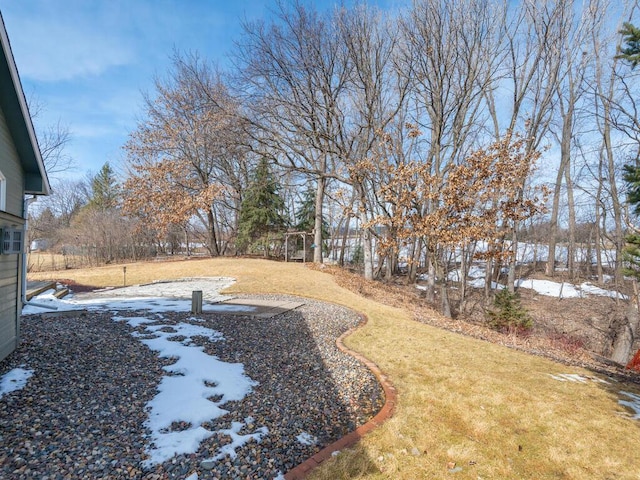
{"x": 47, "y": 261}
{"x": 467, "y": 409}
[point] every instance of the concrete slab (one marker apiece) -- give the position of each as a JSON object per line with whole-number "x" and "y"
{"x": 256, "y": 308}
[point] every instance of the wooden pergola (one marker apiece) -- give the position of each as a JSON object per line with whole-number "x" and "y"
{"x": 305, "y": 251}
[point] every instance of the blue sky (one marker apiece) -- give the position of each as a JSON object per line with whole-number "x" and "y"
{"x": 87, "y": 61}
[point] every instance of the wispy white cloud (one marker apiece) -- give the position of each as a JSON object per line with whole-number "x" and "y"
{"x": 60, "y": 42}
{"x": 87, "y": 62}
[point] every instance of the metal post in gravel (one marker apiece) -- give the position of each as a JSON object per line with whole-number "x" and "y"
{"x": 196, "y": 301}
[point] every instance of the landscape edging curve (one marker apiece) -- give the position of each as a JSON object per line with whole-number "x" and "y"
{"x": 302, "y": 470}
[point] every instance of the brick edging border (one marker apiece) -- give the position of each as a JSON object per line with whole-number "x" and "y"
{"x": 301, "y": 471}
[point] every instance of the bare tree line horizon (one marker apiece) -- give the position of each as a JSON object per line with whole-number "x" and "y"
{"x": 425, "y": 130}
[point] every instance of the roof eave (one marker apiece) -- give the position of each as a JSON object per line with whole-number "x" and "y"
{"x": 36, "y": 179}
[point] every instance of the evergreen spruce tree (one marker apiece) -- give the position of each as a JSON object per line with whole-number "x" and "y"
{"x": 306, "y": 214}
{"x": 631, "y": 51}
{"x": 262, "y": 210}
{"x": 631, "y": 252}
{"x": 508, "y": 314}
{"x": 306, "y": 217}
{"x": 105, "y": 190}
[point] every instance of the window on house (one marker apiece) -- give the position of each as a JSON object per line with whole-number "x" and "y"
{"x": 3, "y": 192}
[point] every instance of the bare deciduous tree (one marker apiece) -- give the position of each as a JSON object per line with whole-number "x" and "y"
{"x": 293, "y": 74}
{"x": 52, "y": 140}
{"x": 450, "y": 59}
{"x": 570, "y": 90}
{"x": 191, "y": 139}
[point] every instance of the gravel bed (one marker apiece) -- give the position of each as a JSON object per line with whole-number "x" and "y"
{"x": 82, "y": 413}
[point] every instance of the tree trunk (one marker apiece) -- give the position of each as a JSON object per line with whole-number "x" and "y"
{"x": 213, "y": 241}
{"x": 555, "y": 209}
{"x": 598, "y": 222}
{"x": 571, "y": 249}
{"x": 412, "y": 274}
{"x": 617, "y": 208}
{"x": 488, "y": 278}
{"x": 513, "y": 260}
{"x": 367, "y": 253}
{"x": 317, "y": 238}
{"x": 441, "y": 273}
{"x": 390, "y": 264}
{"x": 345, "y": 235}
{"x": 607, "y": 98}
{"x": 464, "y": 269}
{"x": 345, "y": 239}
{"x": 431, "y": 279}
{"x": 626, "y": 335}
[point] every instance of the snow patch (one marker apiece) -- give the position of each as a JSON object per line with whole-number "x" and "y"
{"x": 238, "y": 439}
{"x": 132, "y": 321}
{"x": 543, "y": 287}
{"x": 155, "y": 297}
{"x": 210, "y": 287}
{"x": 194, "y": 392}
{"x": 569, "y": 377}
{"x": 479, "y": 283}
{"x": 574, "y": 377}
{"x": 196, "y": 386}
{"x": 549, "y": 288}
{"x": 306, "y": 439}
{"x": 593, "y": 290}
{"x": 13, "y": 380}
{"x": 633, "y": 404}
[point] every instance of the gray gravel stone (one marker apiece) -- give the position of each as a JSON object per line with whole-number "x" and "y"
{"x": 81, "y": 414}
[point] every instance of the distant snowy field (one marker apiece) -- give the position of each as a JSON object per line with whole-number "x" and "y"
{"x": 543, "y": 287}
{"x": 527, "y": 253}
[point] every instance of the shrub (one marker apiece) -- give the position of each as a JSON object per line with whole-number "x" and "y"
{"x": 357, "y": 257}
{"x": 508, "y": 314}
{"x": 568, "y": 343}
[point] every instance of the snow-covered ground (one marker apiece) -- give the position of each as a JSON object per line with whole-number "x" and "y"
{"x": 633, "y": 403}
{"x": 566, "y": 290}
{"x": 543, "y": 287}
{"x": 155, "y": 297}
{"x": 526, "y": 253}
{"x": 14, "y": 380}
{"x": 196, "y": 386}
{"x": 194, "y": 391}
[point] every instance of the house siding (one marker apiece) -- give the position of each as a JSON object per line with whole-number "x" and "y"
{"x": 11, "y": 169}
{"x": 10, "y": 277}
{"x": 10, "y": 295}
{"x": 9, "y": 323}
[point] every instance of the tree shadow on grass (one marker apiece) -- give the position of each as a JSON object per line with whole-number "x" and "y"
{"x": 622, "y": 386}
{"x": 309, "y": 395}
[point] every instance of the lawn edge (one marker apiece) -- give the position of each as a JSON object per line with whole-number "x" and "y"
{"x": 300, "y": 471}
